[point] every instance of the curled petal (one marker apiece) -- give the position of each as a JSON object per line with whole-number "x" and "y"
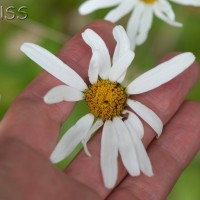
{"x": 123, "y": 42}
{"x": 98, "y": 47}
{"x": 160, "y": 13}
{"x": 166, "y": 8}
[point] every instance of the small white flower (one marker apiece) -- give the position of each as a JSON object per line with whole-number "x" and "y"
{"x": 141, "y": 18}
{"x": 106, "y": 99}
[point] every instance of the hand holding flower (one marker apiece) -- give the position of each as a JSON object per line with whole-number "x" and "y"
{"x": 36, "y": 138}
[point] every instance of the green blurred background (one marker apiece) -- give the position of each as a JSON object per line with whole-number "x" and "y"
{"x": 50, "y": 23}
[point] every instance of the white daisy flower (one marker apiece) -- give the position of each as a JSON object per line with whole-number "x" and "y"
{"x": 141, "y": 18}
{"x": 108, "y": 102}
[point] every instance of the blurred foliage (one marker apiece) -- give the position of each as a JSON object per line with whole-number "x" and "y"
{"x": 50, "y": 23}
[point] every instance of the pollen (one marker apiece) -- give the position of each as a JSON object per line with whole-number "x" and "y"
{"x": 106, "y": 99}
{"x": 149, "y": 1}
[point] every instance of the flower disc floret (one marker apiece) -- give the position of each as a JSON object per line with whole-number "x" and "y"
{"x": 148, "y": 1}
{"x": 106, "y": 99}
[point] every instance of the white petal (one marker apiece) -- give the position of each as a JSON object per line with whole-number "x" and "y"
{"x": 72, "y": 138}
{"x": 161, "y": 74}
{"x": 147, "y": 115}
{"x": 109, "y": 154}
{"x": 120, "y": 66}
{"x": 143, "y": 158}
{"x": 121, "y": 79}
{"x": 145, "y": 25}
{"x": 93, "y": 70}
{"x": 53, "y": 65}
{"x": 134, "y": 123}
{"x": 163, "y": 16}
{"x": 126, "y": 147}
{"x": 123, "y": 46}
{"x": 123, "y": 42}
{"x": 92, "y": 5}
{"x": 63, "y": 93}
{"x": 166, "y": 8}
{"x": 134, "y": 23}
{"x": 93, "y": 129}
{"x": 124, "y": 8}
{"x": 188, "y": 2}
{"x": 99, "y": 47}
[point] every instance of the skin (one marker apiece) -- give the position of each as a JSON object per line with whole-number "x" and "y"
{"x": 30, "y": 128}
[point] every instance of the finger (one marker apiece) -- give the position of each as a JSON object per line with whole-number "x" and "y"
{"x": 164, "y": 100}
{"x": 25, "y": 174}
{"x": 170, "y": 155}
{"x": 29, "y": 118}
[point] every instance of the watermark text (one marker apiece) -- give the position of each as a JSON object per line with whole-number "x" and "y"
{"x": 12, "y": 12}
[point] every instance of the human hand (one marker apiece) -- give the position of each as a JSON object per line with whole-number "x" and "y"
{"x": 30, "y": 128}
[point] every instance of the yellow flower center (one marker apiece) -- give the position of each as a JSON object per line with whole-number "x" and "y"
{"x": 149, "y": 1}
{"x": 105, "y": 99}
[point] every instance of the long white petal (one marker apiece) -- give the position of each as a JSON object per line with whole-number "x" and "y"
{"x": 134, "y": 123}
{"x": 92, "y": 5}
{"x": 126, "y": 147}
{"x": 188, "y": 2}
{"x": 99, "y": 47}
{"x": 123, "y": 42}
{"x": 63, "y": 93}
{"x": 72, "y": 138}
{"x": 109, "y": 154}
{"x": 124, "y": 8}
{"x": 163, "y": 16}
{"x": 93, "y": 129}
{"x": 53, "y": 65}
{"x": 134, "y": 23}
{"x": 146, "y": 22}
{"x": 143, "y": 158}
{"x": 121, "y": 65}
{"x": 147, "y": 115}
{"x": 161, "y": 74}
